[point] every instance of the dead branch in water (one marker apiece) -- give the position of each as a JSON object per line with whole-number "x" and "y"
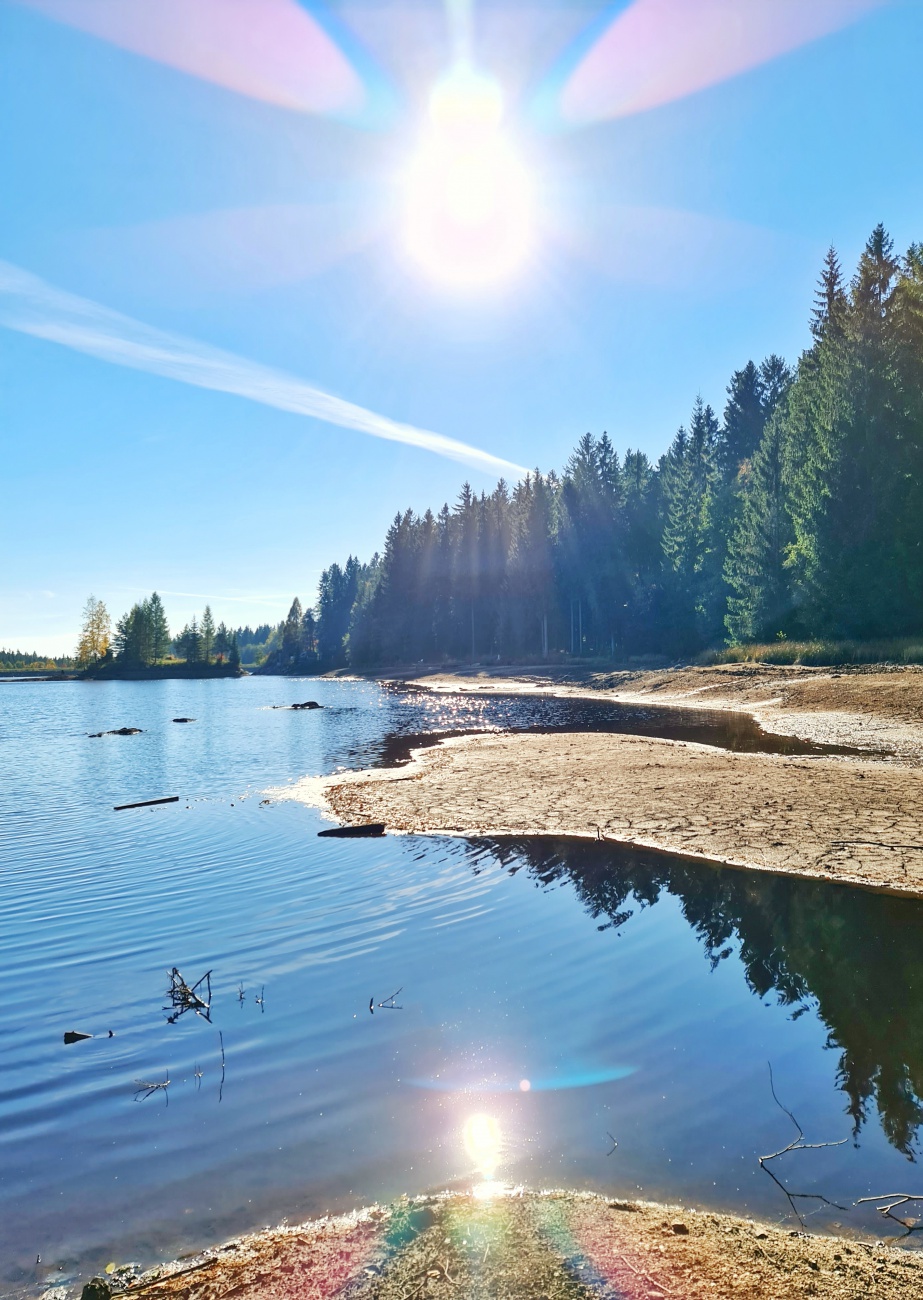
{"x": 144, "y": 1089}
{"x": 798, "y": 1144}
{"x": 185, "y": 997}
{"x": 892, "y": 1201}
{"x": 389, "y": 1004}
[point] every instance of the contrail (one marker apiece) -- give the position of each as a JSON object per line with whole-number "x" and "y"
{"x": 32, "y": 306}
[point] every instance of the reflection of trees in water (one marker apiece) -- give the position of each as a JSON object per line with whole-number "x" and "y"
{"x": 857, "y": 955}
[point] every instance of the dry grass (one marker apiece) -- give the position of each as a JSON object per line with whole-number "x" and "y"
{"x": 821, "y": 653}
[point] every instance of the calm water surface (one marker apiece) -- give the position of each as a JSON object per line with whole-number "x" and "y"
{"x": 569, "y": 990}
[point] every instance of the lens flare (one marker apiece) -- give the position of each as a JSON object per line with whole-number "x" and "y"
{"x": 468, "y": 217}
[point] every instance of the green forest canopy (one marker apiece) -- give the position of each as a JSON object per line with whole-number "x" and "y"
{"x": 796, "y": 514}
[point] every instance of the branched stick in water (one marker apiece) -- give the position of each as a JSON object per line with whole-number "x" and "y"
{"x": 144, "y": 1089}
{"x": 185, "y": 997}
{"x": 798, "y": 1144}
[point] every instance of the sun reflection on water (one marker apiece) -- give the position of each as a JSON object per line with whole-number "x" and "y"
{"x": 483, "y": 1142}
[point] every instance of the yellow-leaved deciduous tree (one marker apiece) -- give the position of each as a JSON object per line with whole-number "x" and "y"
{"x": 95, "y": 632}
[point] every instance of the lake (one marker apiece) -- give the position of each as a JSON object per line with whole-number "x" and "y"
{"x": 612, "y": 1011}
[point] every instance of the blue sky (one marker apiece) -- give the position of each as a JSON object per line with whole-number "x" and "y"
{"x": 671, "y": 242}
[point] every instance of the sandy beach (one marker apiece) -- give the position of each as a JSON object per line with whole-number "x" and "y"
{"x": 853, "y": 819}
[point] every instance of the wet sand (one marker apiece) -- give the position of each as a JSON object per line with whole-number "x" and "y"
{"x": 855, "y": 820}
{"x": 540, "y": 1246}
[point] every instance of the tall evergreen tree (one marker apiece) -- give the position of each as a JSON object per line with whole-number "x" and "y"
{"x": 159, "y": 631}
{"x": 207, "y": 633}
{"x": 760, "y": 605}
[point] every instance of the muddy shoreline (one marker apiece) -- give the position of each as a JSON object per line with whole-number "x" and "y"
{"x": 853, "y": 819}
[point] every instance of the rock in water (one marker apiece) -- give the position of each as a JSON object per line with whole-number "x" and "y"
{"x": 96, "y": 1289}
{"x": 308, "y": 704}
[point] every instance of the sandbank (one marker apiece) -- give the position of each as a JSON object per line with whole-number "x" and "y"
{"x": 855, "y": 819}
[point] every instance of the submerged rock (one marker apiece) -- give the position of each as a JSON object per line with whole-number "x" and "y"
{"x": 118, "y": 731}
{"x": 96, "y": 1289}
{"x": 308, "y": 704}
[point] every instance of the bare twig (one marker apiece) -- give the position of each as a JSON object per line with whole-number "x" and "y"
{"x": 613, "y": 1141}
{"x": 262, "y": 997}
{"x": 168, "y": 1277}
{"x": 221, "y": 1084}
{"x": 647, "y": 1278}
{"x": 892, "y": 1201}
{"x": 798, "y": 1144}
{"x": 388, "y": 1004}
{"x": 145, "y": 1089}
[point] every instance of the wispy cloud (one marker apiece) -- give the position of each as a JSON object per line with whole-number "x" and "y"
{"x": 31, "y": 306}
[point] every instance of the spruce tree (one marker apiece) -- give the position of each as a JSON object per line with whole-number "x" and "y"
{"x": 207, "y": 634}
{"x": 755, "y": 569}
{"x": 159, "y": 631}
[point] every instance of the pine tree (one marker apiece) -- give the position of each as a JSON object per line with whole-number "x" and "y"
{"x": 207, "y": 634}
{"x": 222, "y": 642}
{"x": 755, "y": 569}
{"x": 158, "y": 629}
{"x": 744, "y": 419}
{"x": 291, "y": 633}
{"x": 830, "y": 302}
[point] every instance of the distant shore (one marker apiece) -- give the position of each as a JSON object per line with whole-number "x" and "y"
{"x": 116, "y": 672}
{"x": 850, "y": 819}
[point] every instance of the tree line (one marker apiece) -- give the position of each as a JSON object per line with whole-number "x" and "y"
{"x": 17, "y": 661}
{"x": 142, "y": 637}
{"x": 795, "y": 514}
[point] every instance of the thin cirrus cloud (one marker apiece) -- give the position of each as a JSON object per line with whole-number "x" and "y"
{"x": 655, "y": 51}
{"x": 273, "y": 50}
{"x": 31, "y": 306}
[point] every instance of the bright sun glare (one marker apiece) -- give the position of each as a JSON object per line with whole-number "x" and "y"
{"x": 483, "y": 1143}
{"x": 469, "y": 197}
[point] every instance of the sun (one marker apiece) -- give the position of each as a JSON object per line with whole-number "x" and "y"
{"x": 468, "y": 210}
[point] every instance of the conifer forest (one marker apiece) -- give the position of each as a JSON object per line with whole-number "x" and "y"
{"x": 798, "y": 512}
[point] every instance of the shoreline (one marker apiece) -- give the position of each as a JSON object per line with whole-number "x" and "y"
{"x": 533, "y": 1245}
{"x": 849, "y": 819}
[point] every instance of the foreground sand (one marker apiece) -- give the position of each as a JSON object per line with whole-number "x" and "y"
{"x": 540, "y": 1246}
{"x": 851, "y": 819}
